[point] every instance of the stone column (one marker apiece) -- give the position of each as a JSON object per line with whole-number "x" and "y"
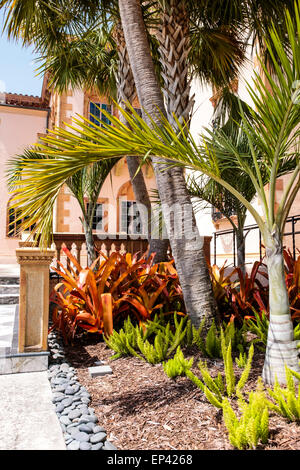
{"x": 34, "y": 297}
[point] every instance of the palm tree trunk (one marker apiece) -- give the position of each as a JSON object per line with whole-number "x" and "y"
{"x": 240, "y": 249}
{"x": 174, "y": 47}
{"x": 281, "y": 346}
{"x": 127, "y": 93}
{"x": 89, "y": 241}
{"x": 187, "y": 248}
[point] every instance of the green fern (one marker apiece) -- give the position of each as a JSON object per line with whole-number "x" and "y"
{"x": 155, "y": 342}
{"x": 241, "y": 360}
{"x": 218, "y": 387}
{"x": 178, "y": 365}
{"x": 287, "y": 399}
{"x": 297, "y": 334}
{"x": 253, "y": 425}
{"x": 211, "y": 346}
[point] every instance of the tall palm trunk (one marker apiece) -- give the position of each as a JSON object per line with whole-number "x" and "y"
{"x": 127, "y": 93}
{"x": 174, "y": 47}
{"x": 89, "y": 241}
{"x": 281, "y": 346}
{"x": 187, "y": 248}
{"x": 240, "y": 249}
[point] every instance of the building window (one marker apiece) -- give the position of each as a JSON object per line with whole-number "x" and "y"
{"x": 96, "y": 114}
{"x": 97, "y": 217}
{"x": 14, "y": 223}
{"x": 131, "y": 222}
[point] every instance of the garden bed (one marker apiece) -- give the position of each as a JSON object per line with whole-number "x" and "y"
{"x": 142, "y": 409}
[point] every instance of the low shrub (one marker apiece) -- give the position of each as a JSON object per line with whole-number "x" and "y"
{"x": 138, "y": 288}
{"x": 252, "y": 427}
{"x": 178, "y": 365}
{"x": 153, "y": 342}
{"x": 287, "y": 399}
{"x": 210, "y": 345}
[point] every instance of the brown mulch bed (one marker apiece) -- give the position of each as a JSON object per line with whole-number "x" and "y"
{"x": 142, "y": 409}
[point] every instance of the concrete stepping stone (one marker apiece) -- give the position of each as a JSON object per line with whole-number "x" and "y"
{"x": 99, "y": 371}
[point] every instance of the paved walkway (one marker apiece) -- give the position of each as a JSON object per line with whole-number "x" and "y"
{"x": 27, "y": 416}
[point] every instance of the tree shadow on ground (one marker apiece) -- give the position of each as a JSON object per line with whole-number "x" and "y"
{"x": 156, "y": 396}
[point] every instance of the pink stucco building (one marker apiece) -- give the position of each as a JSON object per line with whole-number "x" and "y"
{"x": 23, "y": 120}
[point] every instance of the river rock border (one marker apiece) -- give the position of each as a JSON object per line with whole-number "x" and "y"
{"x": 78, "y": 421}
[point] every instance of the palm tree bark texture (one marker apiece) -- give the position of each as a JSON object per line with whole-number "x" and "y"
{"x": 127, "y": 93}
{"x": 187, "y": 249}
{"x": 281, "y": 347}
{"x": 174, "y": 48}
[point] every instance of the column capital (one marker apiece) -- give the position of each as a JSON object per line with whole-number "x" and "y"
{"x": 33, "y": 255}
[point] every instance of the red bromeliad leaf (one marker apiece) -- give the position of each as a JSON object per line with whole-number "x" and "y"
{"x": 87, "y": 317}
{"x": 72, "y": 258}
{"x": 91, "y": 329}
{"x": 138, "y": 306}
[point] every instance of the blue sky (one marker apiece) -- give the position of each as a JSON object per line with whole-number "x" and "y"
{"x": 17, "y": 68}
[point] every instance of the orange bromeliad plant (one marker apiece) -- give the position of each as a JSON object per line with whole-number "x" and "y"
{"x": 93, "y": 298}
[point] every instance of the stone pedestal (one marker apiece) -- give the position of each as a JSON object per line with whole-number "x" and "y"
{"x": 34, "y": 298}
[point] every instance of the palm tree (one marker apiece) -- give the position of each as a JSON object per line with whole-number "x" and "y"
{"x": 273, "y": 138}
{"x": 209, "y": 193}
{"x": 188, "y": 249}
{"x": 207, "y": 190}
{"x": 85, "y": 185}
{"x": 78, "y": 50}
{"x": 170, "y": 181}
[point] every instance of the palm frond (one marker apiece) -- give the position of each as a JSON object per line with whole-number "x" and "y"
{"x": 263, "y": 148}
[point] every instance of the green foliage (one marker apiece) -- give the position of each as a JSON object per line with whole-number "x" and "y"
{"x": 211, "y": 345}
{"x": 253, "y": 425}
{"x": 178, "y": 365}
{"x": 287, "y": 400}
{"x": 297, "y": 334}
{"x": 124, "y": 342}
{"x": 259, "y": 326}
{"x": 215, "y": 388}
{"x": 241, "y": 361}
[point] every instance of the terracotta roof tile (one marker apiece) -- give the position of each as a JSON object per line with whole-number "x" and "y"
{"x": 15, "y": 99}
